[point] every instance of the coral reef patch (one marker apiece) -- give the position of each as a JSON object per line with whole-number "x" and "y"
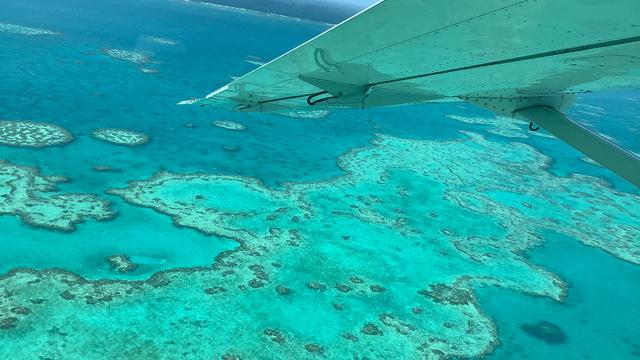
{"x": 136, "y": 57}
{"x": 33, "y": 198}
{"x": 161, "y": 40}
{"x": 121, "y": 136}
{"x": 25, "y": 30}
{"x": 545, "y": 331}
{"x": 386, "y": 278}
{"x": 229, "y": 125}
{"x": 32, "y": 134}
{"x": 121, "y": 263}
{"x": 105, "y": 168}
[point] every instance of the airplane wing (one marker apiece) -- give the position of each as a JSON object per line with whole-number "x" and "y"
{"x": 504, "y": 55}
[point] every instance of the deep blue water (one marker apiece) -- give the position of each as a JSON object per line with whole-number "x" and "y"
{"x": 597, "y": 316}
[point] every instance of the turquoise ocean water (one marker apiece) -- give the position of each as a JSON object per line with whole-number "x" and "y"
{"x": 414, "y": 232}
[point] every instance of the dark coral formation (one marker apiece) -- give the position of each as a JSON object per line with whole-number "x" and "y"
{"x": 450, "y": 295}
{"x": 371, "y": 329}
{"x": 9, "y": 322}
{"x": 545, "y": 331}
{"x": 106, "y": 168}
{"x": 399, "y": 326}
{"x": 343, "y": 288}
{"x": 275, "y": 336}
{"x": 255, "y": 283}
{"x": 121, "y": 263}
{"x": 20, "y": 310}
{"x": 350, "y": 337}
{"x": 214, "y": 290}
{"x": 314, "y": 348}
{"x": 283, "y": 290}
{"x": 67, "y": 295}
{"x": 259, "y": 272}
{"x": 315, "y": 285}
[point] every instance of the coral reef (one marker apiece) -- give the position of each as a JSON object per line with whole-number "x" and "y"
{"x": 229, "y": 125}
{"x": 32, "y": 134}
{"x": 131, "y": 56}
{"x": 24, "y": 30}
{"x": 105, "y": 168}
{"x": 381, "y": 262}
{"x": 545, "y": 331}
{"x": 161, "y": 40}
{"x": 444, "y": 294}
{"x": 121, "y": 136}
{"x": 121, "y": 263}
{"x": 34, "y": 199}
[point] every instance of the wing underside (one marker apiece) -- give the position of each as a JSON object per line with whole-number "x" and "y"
{"x": 413, "y": 51}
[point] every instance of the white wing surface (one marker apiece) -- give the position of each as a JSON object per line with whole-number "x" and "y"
{"x": 524, "y": 58}
{"x": 411, "y": 51}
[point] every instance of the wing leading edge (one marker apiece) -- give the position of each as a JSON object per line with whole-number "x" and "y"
{"x": 504, "y": 55}
{"x": 412, "y": 51}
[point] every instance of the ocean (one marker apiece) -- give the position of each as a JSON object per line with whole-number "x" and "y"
{"x": 135, "y": 228}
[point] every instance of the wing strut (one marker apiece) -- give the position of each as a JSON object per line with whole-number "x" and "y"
{"x": 547, "y": 111}
{"x": 605, "y": 152}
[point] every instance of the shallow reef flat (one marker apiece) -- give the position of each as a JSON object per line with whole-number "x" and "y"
{"x": 229, "y": 206}
{"x": 161, "y": 40}
{"x": 381, "y": 262}
{"x": 32, "y": 134}
{"x": 136, "y": 57}
{"x": 229, "y": 125}
{"x": 34, "y": 199}
{"x": 25, "y": 30}
{"x": 121, "y": 136}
